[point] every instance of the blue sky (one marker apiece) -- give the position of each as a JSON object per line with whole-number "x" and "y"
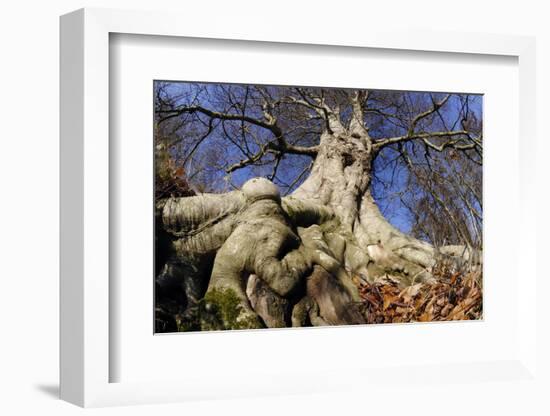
{"x": 390, "y": 177}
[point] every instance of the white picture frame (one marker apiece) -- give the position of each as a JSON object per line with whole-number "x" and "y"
{"x": 85, "y": 355}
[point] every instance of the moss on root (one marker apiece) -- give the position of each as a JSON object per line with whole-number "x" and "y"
{"x": 222, "y": 309}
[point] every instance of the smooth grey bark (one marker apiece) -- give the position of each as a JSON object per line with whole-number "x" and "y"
{"x": 280, "y": 262}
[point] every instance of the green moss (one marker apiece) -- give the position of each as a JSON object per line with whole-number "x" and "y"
{"x": 222, "y": 309}
{"x": 189, "y": 321}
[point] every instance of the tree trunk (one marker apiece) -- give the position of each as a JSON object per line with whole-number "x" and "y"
{"x": 249, "y": 259}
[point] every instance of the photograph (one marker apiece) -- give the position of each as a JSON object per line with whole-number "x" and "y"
{"x": 302, "y": 206}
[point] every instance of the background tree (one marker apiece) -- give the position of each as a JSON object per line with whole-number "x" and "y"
{"x": 356, "y": 184}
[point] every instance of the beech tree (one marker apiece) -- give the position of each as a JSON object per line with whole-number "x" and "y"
{"x": 288, "y": 186}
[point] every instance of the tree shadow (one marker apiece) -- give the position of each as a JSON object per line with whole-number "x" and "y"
{"x": 51, "y": 390}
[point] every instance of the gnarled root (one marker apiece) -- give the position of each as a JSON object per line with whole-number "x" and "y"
{"x": 255, "y": 261}
{"x": 335, "y": 301}
{"x": 262, "y": 244}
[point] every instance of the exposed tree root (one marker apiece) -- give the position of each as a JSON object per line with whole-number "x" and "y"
{"x": 273, "y": 263}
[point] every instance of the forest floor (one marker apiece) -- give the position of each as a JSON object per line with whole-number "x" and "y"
{"x": 454, "y": 296}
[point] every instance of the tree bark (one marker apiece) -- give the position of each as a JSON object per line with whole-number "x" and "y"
{"x": 249, "y": 259}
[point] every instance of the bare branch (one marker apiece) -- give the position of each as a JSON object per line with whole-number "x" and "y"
{"x": 198, "y": 143}
{"x": 250, "y": 161}
{"x": 463, "y": 134}
{"x": 281, "y": 145}
{"x": 458, "y": 139}
{"x": 214, "y": 114}
{"x": 273, "y": 147}
{"x": 435, "y": 107}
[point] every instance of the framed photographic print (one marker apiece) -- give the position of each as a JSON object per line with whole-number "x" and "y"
{"x": 270, "y": 206}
